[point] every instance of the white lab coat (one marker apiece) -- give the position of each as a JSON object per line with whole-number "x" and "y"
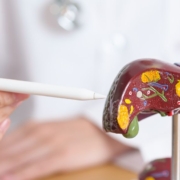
{"x": 113, "y": 33}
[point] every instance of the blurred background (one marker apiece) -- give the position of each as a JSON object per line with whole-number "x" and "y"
{"x": 99, "y": 37}
{"x": 83, "y": 44}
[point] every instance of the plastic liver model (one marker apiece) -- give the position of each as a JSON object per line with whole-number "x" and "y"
{"x": 141, "y": 89}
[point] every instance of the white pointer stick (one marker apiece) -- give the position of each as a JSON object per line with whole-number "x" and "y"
{"x": 25, "y": 87}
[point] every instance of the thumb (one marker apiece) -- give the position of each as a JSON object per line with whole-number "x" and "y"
{"x": 3, "y": 127}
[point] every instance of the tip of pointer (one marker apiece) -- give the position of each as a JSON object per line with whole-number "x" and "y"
{"x": 99, "y": 96}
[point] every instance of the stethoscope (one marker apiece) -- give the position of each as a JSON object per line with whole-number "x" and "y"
{"x": 66, "y": 13}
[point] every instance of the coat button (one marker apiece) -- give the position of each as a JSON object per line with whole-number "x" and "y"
{"x": 66, "y": 13}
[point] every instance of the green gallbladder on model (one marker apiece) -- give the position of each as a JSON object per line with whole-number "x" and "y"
{"x": 133, "y": 129}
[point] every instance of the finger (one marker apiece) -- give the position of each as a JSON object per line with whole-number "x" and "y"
{"x": 25, "y": 137}
{"x": 25, "y": 142}
{"x": 7, "y": 98}
{"x": 31, "y": 155}
{"x": 8, "y": 102}
{"x": 21, "y": 97}
{"x": 5, "y": 112}
{"x": 41, "y": 168}
{"x": 15, "y": 137}
{"x": 3, "y": 127}
{"x": 17, "y": 148}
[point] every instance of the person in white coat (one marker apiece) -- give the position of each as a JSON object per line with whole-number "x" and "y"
{"x": 65, "y": 135}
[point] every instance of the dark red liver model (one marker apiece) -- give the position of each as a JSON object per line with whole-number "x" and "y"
{"x": 142, "y": 88}
{"x": 157, "y": 170}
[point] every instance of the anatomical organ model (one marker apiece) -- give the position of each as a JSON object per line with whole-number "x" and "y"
{"x": 141, "y": 89}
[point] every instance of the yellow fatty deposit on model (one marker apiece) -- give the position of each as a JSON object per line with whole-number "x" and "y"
{"x": 127, "y": 101}
{"x": 178, "y": 88}
{"x": 131, "y": 109}
{"x": 150, "y": 76}
{"x": 123, "y": 117}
